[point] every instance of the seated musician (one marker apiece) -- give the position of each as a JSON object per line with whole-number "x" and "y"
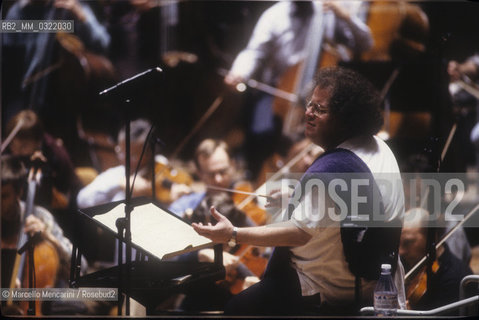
{"x": 448, "y": 270}
{"x": 464, "y": 77}
{"x": 308, "y": 267}
{"x": 215, "y": 169}
{"x": 466, "y": 69}
{"x": 15, "y": 222}
{"x": 59, "y": 184}
{"x": 110, "y": 185}
{"x": 457, "y": 241}
{"x": 464, "y": 95}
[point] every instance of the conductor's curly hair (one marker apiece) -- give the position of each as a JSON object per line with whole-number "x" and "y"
{"x": 354, "y": 100}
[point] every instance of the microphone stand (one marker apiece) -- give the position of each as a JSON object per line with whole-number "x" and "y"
{"x": 122, "y": 93}
{"x": 152, "y": 163}
{"x": 124, "y": 224}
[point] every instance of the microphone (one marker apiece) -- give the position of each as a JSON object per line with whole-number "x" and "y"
{"x": 130, "y": 85}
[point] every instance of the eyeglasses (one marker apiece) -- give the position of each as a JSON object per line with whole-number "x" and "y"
{"x": 316, "y": 108}
{"x": 222, "y": 172}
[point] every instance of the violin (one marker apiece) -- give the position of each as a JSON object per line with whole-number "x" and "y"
{"x": 252, "y": 257}
{"x": 417, "y": 286}
{"x": 299, "y": 158}
{"x": 251, "y": 261}
{"x": 166, "y": 175}
{"x": 251, "y": 208}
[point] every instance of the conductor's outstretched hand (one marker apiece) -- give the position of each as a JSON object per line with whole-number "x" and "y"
{"x": 220, "y": 233}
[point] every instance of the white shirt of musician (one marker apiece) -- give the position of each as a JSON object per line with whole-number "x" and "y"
{"x": 106, "y": 187}
{"x": 279, "y": 39}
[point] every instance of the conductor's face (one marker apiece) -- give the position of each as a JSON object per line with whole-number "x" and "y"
{"x": 321, "y": 127}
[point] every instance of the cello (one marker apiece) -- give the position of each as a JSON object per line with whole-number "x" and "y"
{"x": 38, "y": 267}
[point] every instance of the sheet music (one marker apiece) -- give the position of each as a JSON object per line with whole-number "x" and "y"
{"x": 156, "y": 230}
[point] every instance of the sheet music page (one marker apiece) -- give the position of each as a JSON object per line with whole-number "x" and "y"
{"x": 156, "y": 230}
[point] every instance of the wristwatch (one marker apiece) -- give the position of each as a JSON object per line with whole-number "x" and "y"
{"x": 232, "y": 241}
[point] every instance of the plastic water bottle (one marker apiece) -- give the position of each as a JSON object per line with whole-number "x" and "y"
{"x": 385, "y": 293}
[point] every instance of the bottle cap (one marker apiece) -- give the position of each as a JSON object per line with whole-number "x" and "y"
{"x": 386, "y": 266}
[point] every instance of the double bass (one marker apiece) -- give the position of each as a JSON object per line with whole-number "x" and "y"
{"x": 400, "y": 30}
{"x": 397, "y": 27}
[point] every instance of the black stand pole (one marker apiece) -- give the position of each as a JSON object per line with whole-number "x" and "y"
{"x": 123, "y": 92}
{"x": 127, "y": 206}
{"x": 120, "y": 226}
{"x": 153, "y": 173}
{"x": 73, "y": 264}
{"x": 29, "y": 246}
{"x": 124, "y": 225}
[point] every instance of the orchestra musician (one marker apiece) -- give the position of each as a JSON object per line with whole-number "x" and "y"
{"x": 110, "y": 185}
{"x": 216, "y": 170}
{"x": 308, "y": 268}
{"x": 464, "y": 88}
{"x": 39, "y": 53}
{"x": 15, "y": 222}
{"x": 56, "y": 73}
{"x": 281, "y": 40}
{"x": 457, "y": 70}
{"x": 448, "y": 269}
{"x": 59, "y": 184}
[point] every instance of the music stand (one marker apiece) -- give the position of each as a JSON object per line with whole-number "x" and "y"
{"x": 157, "y": 234}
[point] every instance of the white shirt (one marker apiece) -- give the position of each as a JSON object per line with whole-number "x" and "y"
{"x": 106, "y": 187}
{"x": 279, "y": 39}
{"x": 320, "y": 263}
